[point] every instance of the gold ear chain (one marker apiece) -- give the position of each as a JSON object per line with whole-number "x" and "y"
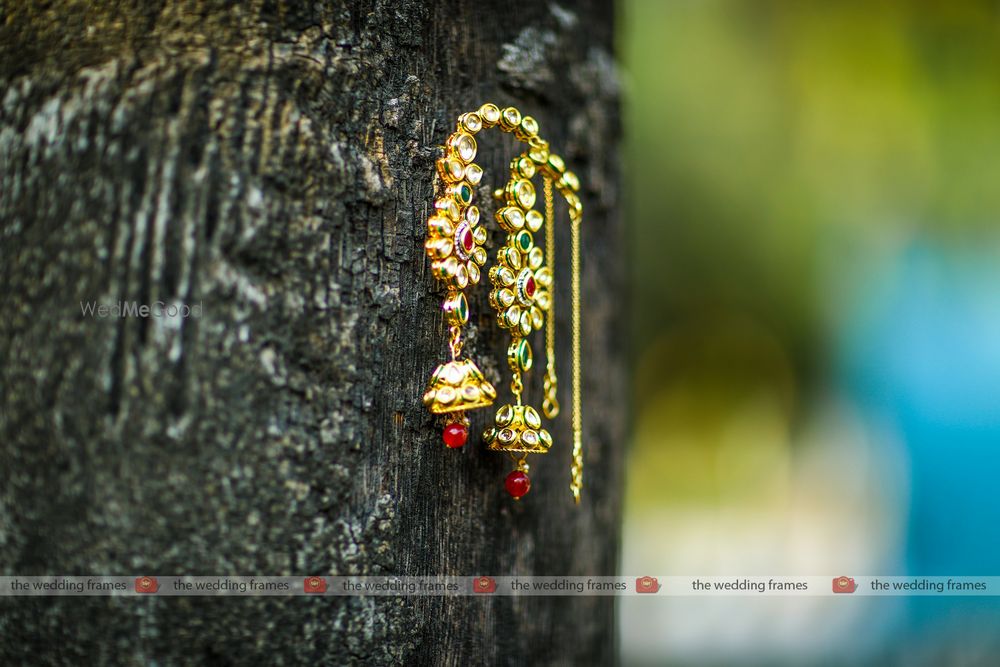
{"x": 522, "y": 290}
{"x": 550, "y": 406}
{"x": 576, "y": 482}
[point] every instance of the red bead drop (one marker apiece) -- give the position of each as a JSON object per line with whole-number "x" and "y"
{"x": 455, "y": 435}
{"x": 529, "y": 287}
{"x": 517, "y": 484}
{"x": 468, "y": 242}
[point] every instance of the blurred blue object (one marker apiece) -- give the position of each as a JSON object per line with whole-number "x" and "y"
{"x": 920, "y": 354}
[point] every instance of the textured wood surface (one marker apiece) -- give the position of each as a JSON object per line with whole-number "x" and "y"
{"x": 272, "y": 162}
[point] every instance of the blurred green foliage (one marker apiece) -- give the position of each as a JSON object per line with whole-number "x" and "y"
{"x": 755, "y": 127}
{"x": 771, "y": 148}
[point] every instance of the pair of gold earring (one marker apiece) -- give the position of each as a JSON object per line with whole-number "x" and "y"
{"x": 522, "y": 289}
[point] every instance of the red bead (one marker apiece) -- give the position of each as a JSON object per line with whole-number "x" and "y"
{"x": 529, "y": 287}
{"x": 455, "y": 435}
{"x": 517, "y": 483}
{"x": 468, "y": 241}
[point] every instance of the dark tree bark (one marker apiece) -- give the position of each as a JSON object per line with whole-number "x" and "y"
{"x": 273, "y": 161}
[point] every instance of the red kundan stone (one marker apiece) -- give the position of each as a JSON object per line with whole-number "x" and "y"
{"x": 529, "y": 287}
{"x": 468, "y": 241}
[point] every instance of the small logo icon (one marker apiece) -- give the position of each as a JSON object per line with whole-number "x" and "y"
{"x": 146, "y": 585}
{"x": 314, "y": 585}
{"x": 844, "y": 585}
{"x": 647, "y": 585}
{"x": 485, "y": 585}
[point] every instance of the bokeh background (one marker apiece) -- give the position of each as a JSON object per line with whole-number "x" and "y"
{"x": 815, "y": 190}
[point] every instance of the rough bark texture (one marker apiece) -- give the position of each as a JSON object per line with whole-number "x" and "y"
{"x": 273, "y": 161}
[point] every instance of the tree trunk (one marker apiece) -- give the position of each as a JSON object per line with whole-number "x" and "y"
{"x": 273, "y": 163}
